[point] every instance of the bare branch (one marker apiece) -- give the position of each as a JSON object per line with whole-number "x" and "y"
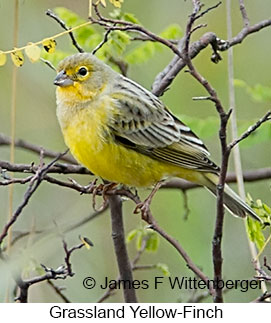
{"x": 57, "y": 168}
{"x": 48, "y": 63}
{"x": 34, "y": 184}
{"x": 165, "y": 78}
{"x": 244, "y": 13}
{"x": 6, "y": 141}
{"x": 99, "y": 46}
{"x": 109, "y": 292}
{"x": 61, "y": 272}
{"x": 224, "y": 117}
{"x": 51, "y": 14}
{"x": 248, "y": 31}
{"x": 251, "y": 129}
{"x": 118, "y": 235}
{"x": 115, "y": 24}
{"x": 181, "y": 251}
{"x": 58, "y": 291}
{"x": 204, "y": 12}
{"x": 262, "y": 298}
{"x": 68, "y": 253}
{"x": 249, "y": 176}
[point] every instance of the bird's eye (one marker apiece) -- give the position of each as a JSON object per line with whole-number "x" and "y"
{"x": 82, "y": 71}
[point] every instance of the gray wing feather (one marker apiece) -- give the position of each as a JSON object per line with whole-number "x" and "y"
{"x": 144, "y": 124}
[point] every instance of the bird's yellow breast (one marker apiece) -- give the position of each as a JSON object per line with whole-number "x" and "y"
{"x": 88, "y": 136}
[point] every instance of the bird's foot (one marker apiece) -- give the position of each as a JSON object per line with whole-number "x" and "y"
{"x": 102, "y": 190}
{"x": 144, "y": 207}
{"x": 84, "y": 189}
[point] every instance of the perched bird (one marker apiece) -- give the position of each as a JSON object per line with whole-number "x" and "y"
{"x": 123, "y": 133}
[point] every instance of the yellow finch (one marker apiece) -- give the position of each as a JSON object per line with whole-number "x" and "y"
{"x": 123, "y": 133}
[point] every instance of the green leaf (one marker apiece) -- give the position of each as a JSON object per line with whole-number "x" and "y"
{"x": 267, "y": 209}
{"x": 254, "y": 228}
{"x": 116, "y": 3}
{"x": 3, "y": 58}
{"x": 118, "y": 42}
{"x": 85, "y": 36}
{"x": 173, "y": 31}
{"x": 141, "y": 54}
{"x": 131, "y": 235}
{"x": 69, "y": 17}
{"x": 152, "y": 242}
{"x": 164, "y": 269}
{"x": 131, "y": 18}
{"x": 255, "y": 232}
{"x": 145, "y": 51}
{"x": 139, "y": 239}
{"x": 260, "y": 93}
{"x": 240, "y": 83}
{"x": 116, "y": 14}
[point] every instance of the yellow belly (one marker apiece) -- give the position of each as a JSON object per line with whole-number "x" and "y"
{"x": 97, "y": 151}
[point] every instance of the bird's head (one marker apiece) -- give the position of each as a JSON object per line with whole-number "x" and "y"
{"x": 81, "y": 76}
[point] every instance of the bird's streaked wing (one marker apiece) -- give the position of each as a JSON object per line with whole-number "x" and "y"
{"x": 144, "y": 124}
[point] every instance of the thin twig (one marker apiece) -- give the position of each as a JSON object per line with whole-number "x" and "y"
{"x": 58, "y": 291}
{"x": 34, "y": 184}
{"x": 251, "y": 129}
{"x": 48, "y": 63}
{"x": 165, "y": 78}
{"x": 62, "y": 272}
{"x": 51, "y": 14}
{"x": 234, "y": 128}
{"x": 113, "y": 24}
{"x": 244, "y": 13}
{"x": 105, "y": 40}
{"x": 262, "y": 298}
{"x": 57, "y": 168}
{"x": 20, "y": 143}
{"x": 154, "y": 225}
{"x": 204, "y": 12}
{"x": 68, "y": 253}
{"x": 217, "y": 238}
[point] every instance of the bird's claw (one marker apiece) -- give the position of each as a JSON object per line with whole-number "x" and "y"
{"x": 101, "y": 189}
{"x": 144, "y": 208}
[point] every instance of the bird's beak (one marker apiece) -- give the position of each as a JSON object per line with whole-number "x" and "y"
{"x": 63, "y": 80}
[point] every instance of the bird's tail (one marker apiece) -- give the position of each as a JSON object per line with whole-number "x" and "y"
{"x": 231, "y": 200}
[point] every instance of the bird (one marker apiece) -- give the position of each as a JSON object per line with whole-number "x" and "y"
{"x": 125, "y": 134}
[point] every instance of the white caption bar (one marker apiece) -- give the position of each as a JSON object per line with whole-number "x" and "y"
{"x": 172, "y": 312}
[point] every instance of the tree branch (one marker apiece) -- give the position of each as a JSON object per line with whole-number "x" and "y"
{"x": 121, "y": 253}
{"x": 249, "y": 176}
{"x": 251, "y": 129}
{"x": 34, "y": 184}
{"x": 244, "y": 13}
{"x": 224, "y": 117}
{"x": 165, "y": 78}
{"x": 19, "y": 143}
{"x": 51, "y": 14}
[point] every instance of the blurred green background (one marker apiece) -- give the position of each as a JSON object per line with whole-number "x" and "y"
{"x": 58, "y": 208}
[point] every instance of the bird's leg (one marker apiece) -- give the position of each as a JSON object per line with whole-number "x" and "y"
{"x": 84, "y": 189}
{"x": 102, "y": 189}
{"x": 144, "y": 207}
